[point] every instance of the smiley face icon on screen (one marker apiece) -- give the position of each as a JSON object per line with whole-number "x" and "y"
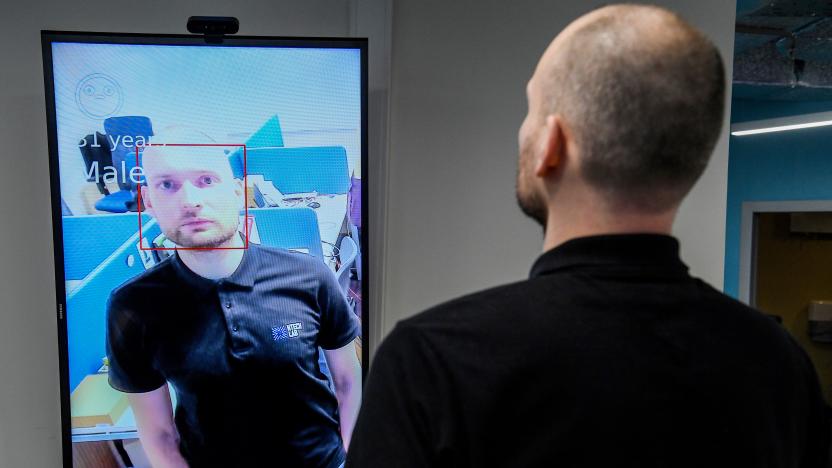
{"x": 98, "y": 96}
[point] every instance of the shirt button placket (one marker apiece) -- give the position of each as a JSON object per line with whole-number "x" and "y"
{"x": 229, "y": 316}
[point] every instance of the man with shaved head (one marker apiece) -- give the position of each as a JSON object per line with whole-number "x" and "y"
{"x": 233, "y": 327}
{"x": 610, "y": 354}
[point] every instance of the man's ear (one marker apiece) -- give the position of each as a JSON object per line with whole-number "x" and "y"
{"x": 553, "y": 151}
{"x": 146, "y": 200}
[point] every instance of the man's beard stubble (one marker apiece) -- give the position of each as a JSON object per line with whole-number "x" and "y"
{"x": 219, "y": 239}
{"x": 530, "y": 203}
{"x": 534, "y": 208}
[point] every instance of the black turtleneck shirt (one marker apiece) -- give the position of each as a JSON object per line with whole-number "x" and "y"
{"x": 610, "y": 354}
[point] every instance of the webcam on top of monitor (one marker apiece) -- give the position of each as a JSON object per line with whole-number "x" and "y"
{"x": 213, "y": 27}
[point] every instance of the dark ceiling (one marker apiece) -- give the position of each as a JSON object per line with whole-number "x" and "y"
{"x": 783, "y": 50}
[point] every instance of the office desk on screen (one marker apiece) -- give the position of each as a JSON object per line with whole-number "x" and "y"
{"x": 123, "y": 428}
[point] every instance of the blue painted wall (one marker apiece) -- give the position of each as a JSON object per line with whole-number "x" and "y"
{"x": 795, "y": 165}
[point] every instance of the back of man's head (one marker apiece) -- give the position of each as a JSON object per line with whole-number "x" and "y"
{"x": 643, "y": 93}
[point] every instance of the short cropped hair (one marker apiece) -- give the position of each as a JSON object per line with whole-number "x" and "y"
{"x": 645, "y": 99}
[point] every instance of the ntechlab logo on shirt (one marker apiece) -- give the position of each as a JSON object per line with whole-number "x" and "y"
{"x": 290, "y": 330}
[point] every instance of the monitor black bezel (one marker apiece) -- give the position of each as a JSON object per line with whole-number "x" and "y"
{"x": 50, "y": 37}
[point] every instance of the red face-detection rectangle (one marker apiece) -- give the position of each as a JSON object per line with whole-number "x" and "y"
{"x": 246, "y": 219}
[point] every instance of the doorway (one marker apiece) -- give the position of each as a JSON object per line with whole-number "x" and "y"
{"x": 788, "y": 265}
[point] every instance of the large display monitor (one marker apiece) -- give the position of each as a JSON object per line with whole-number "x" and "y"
{"x": 209, "y": 214}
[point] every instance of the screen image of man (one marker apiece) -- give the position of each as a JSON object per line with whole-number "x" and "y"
{"x": 235, "y": 331}
{"x": 611, "y": 353}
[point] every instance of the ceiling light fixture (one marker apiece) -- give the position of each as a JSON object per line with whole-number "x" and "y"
{"x": 782, "y": 124}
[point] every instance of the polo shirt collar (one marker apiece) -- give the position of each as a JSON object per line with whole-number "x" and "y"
{"x": 243, "y": 276}
{"x": 646, "y": 250}
{"x": 246, "y": 272}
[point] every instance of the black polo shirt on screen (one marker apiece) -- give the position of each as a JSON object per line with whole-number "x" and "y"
{"x": 609, "y": 355}
{"x": 241, "y": 354}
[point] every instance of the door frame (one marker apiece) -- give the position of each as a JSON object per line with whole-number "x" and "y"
{"x": 748, "y": 235}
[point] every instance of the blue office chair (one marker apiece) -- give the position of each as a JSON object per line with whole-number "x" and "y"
{"x": 289, "y": 228}
{"x": 95, "y": 150}
{"x": 116, "y": 129}
{"x": 90, "y": 239}
{"x": 96, "y": 153}
{"x": 132, "y": 126}
{"x": 119, "y": 202}
{"x": 322, "y": 169}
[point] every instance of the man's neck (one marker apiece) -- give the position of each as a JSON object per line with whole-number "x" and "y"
{"x": 217, "y": 263}
{"x": 566, "y": 223}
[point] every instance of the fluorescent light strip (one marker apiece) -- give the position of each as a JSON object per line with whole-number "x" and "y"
{"x": 782, "y": 128}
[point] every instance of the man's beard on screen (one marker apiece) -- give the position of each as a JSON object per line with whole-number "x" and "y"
{"x": 225, "y": 233}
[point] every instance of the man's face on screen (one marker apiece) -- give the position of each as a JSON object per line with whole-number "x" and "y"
{"x": 193, "y": 194}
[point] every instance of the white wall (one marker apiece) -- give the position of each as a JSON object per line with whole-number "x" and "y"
{"x": 458, "y": 77}
{"x": 29, "y": 397}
